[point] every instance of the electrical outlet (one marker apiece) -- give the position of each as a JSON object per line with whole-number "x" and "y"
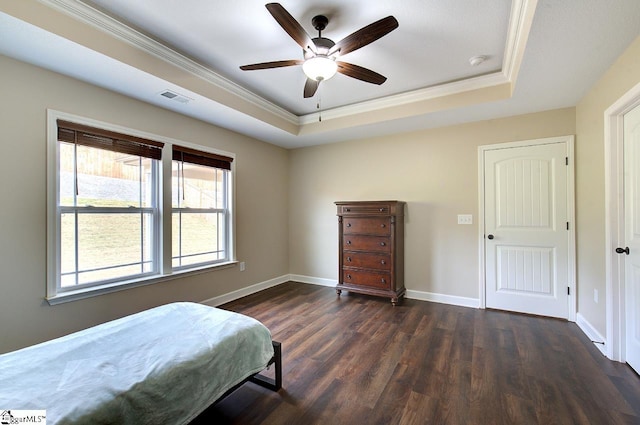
{"x": 243, "y": 266}
{"x": 465, "y": 219}
{"x": 595, "y": 295}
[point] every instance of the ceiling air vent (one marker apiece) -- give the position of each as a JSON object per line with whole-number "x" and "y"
{"x": 175, "y": 96}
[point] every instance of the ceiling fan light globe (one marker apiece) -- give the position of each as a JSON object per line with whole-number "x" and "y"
{"x": 320, "y": 68}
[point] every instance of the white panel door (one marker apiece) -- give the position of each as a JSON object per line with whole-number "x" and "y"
{"x": 632, "y": 237}
{"x": 526, "y": 236}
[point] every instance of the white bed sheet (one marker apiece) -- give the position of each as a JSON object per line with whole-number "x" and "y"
{"x": 161, "y": 366}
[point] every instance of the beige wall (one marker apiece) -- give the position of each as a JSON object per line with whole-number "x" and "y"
{"x": 261, "y": 205}
{"x": 285, "y": 214}
{"x": 590, "y": 201}
{"x": 434, "y": 171}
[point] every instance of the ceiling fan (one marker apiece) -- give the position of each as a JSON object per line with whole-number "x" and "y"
{"x": 320, "y": 53}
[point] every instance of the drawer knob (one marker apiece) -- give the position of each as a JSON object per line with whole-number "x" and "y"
{"x": 383, "y": 281}
{"x": 381, "y": 262}
{"x": 348, "y": 224}
{"x": 383, "y": 225}
{"x": 349, "y": 259}
{"x": 348, "y": 276}
{"x": 348, "y": 242}
{"x": 381, "y": 209}
{"x": 382, "y": 243}
{"x": 347, "y": 209}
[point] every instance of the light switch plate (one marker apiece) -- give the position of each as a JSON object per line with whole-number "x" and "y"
{"x": 465, "y": 219}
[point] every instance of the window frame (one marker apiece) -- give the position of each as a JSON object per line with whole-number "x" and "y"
{"x": 54, "y": 293}
{"x": 181, "y": 155}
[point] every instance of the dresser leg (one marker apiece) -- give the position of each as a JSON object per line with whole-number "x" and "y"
{"x": 338, "y": 291}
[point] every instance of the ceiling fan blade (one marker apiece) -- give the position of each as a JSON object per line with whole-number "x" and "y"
{"x": 275, "y": 64}
{"x": 291, "y": 26}
{"x": 310, "y": 87}
{"x": 365, "y": 35}
{"x": 360, "y": 73}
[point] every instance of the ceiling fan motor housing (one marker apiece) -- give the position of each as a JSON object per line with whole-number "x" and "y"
{"x": 322, "y": 47}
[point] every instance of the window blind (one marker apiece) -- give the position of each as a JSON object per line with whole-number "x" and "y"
{"x": 193, "y": 156}
{"x": 108, "y": 140}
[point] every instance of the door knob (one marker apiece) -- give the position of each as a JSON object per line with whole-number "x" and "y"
{"x": 623, "y": 250}
{"x": 490, "y": 237}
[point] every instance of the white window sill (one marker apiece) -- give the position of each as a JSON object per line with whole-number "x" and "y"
{"x": 68, "y": 296}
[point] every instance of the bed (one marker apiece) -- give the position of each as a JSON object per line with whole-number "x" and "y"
{"x": 164, "y": 365}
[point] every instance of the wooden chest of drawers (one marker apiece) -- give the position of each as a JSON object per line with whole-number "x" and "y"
{"x": 371, "y": 246}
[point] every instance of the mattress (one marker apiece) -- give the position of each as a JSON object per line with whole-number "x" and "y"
{"x": 161, "y": 366}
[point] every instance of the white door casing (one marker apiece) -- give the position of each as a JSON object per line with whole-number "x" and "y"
{"x": 614, "y": 346}
{"x": 632, "y": 236}
{"x": 527, "y": 250}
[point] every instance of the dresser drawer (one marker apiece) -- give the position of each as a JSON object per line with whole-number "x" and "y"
{"x": 366, "y": 261}
{"x": 380, "y": 280}
{"x": 366, "y": 243}
{"x": 369, "y": 225}
{"x": 364, "y": 209}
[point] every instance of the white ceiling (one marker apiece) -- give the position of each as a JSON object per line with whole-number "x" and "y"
{"x": 541, "y": 54}
{"x": 224, "y": 35}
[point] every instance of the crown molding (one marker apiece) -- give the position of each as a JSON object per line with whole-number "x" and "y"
{"x": 111, "y": 26}
{"x": 420, "y": 95}
{"x": 520, "y": 21}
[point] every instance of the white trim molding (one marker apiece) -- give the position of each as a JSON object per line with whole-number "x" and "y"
{"x": 522, "y": 13}
{"x": 443, "y": 298}
{"x": 410, "y": 294}
{"x": 411, "y": 97}
{"x": 313, "y": 280}
{"x": 54, "y": 294}
{"x": 89, "y": 15}
{"x": 614, "y": 221}
{"x": 519, "y": 26}
{"x": 569, "y": 142}
{"x": 592, "y": 333}
{"x": 252, "y": 289}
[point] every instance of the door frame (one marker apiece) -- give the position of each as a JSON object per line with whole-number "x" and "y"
{"x": 615, "y": 341}
{"x": 571, "y": 267}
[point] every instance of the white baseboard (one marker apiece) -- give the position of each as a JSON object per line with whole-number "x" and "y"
{"x": 313, "y": 280}
{"x": 415, "y": 295}
{"x": 598, "y": 340}
{"x": 443, "y": 299}
{"x": 225, "y": 298}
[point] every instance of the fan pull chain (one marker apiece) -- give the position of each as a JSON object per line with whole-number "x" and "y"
{"x": 318, "y": 107}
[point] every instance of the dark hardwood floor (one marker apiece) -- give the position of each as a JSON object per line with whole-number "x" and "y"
{"x": 359, "y": 360}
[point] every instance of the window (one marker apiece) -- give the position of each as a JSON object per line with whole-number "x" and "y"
{"x": 199, "y": 207}
{"x": 106, "y": 194}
